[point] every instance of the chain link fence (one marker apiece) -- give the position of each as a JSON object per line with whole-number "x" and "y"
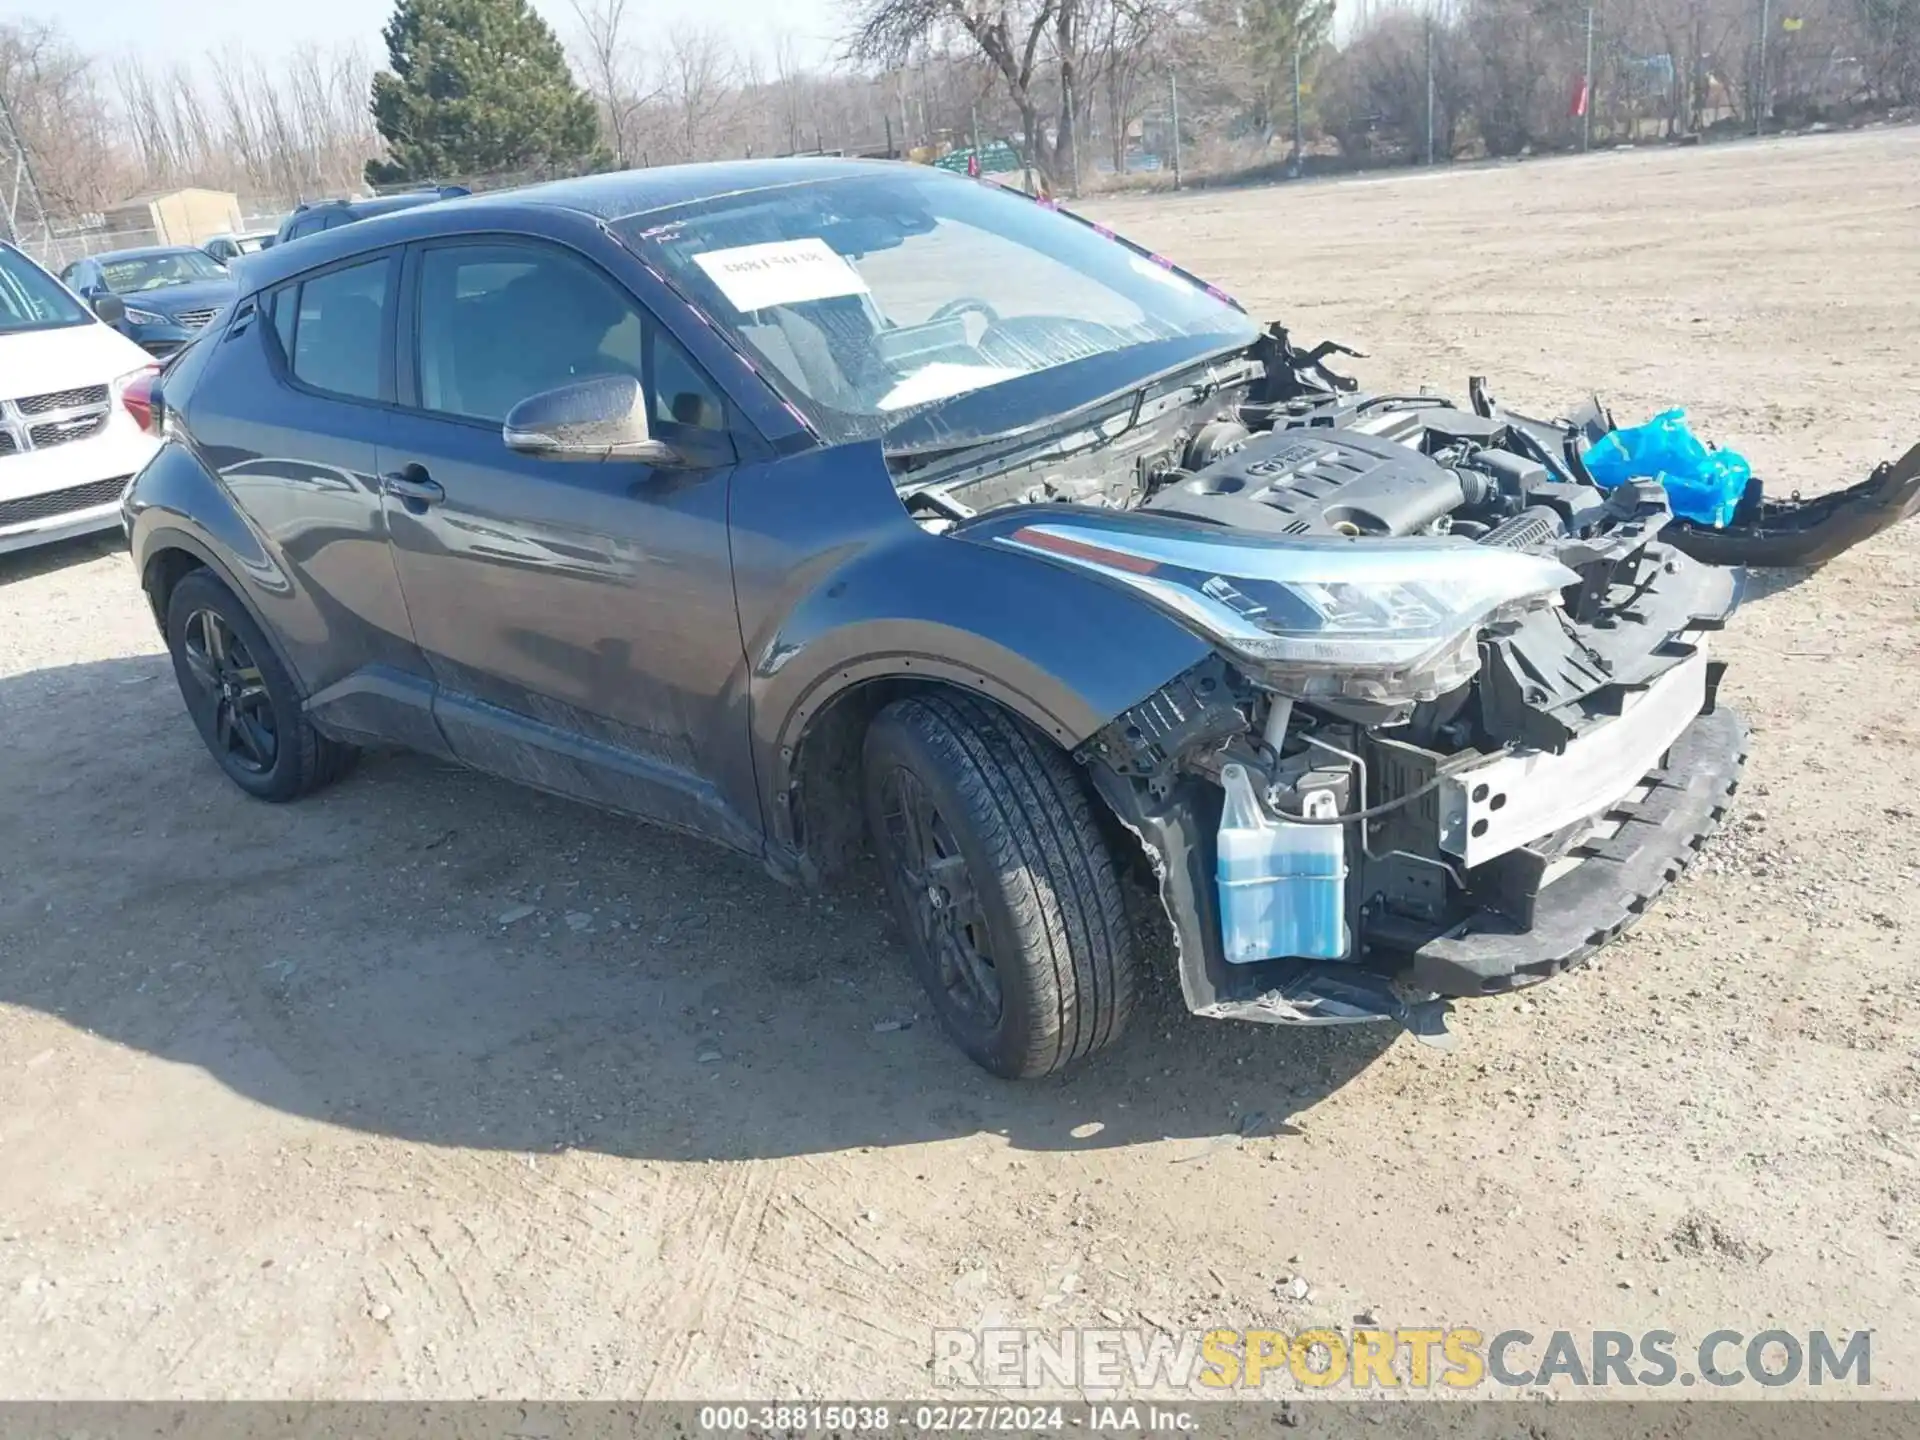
{"x": 68, "y": 244}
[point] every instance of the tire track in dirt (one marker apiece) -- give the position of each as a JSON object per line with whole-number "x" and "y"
{"x": 712, "y": 1220}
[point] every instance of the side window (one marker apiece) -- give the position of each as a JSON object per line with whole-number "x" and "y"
{"x": 681, "y": 395}
{"x": 286, "y": 308}
{"x": 498, "y": 323}
{"x": 329, "y": 328}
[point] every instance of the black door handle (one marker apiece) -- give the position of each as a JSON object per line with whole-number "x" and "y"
{"x": 412, "y": 486}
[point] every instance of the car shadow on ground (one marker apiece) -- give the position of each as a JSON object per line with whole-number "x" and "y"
{"x": 18, "y": 565}
{"x": 1765, "y": 584}
{"x": 426, "y": 953}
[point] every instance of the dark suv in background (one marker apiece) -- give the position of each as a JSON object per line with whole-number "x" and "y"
{"x": 320, "y": 215}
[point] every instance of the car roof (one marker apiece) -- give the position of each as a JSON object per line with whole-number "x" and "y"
{"x": 144, "y": 252}
{"x": 635, "y": 192}
{"x": 367, "y": 205}
{"x": 591, "y": 198}
{"x": 382, "y": 204}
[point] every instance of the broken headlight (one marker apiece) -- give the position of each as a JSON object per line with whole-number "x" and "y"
{"x": 1387, "y": 621}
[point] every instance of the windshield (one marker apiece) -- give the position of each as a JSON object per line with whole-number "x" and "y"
{"x": 31, "y": 299}
{"x": 131, "y": 274}
{"x": 914, "y": 304}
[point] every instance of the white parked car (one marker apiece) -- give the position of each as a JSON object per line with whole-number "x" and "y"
{"x": 229, "y": 248}
{"x": 75, "y": 403}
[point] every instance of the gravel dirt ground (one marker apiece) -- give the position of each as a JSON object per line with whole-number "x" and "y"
{"x": 431, "y": 1086}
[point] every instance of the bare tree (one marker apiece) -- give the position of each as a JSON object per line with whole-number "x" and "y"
{"x": 1010, "y": 34}
{"x": 1059, "y": 74}
{"x": 1122, "y": 39}
{"x": 293, "y": 130}
{"x": 1374, "y": 95}
{"x": 791, "y": 79}
{"x": 616, "y": 75}
{"x": 1520, "y": 89}
{"x": 65, "y": 122}
{"x": 699, "y": 74}
{"x": 1890, "y": 49}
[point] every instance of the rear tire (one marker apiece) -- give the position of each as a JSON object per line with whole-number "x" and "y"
{"x": 1003, "y": 882}
{"x": 241, "y": 698}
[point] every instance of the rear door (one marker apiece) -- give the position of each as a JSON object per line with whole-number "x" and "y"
{"x": 579, "y": 617}
{"x": 289, "y": 409}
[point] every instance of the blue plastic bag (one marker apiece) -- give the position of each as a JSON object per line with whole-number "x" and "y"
{"x": 1702, "y": 485}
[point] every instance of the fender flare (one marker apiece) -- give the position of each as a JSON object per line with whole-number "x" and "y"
{"x": 793, "y": 845}
{"x": 1067, "y": 730}
{"x": 177, "y": 502}
{"x": 1066, "y": 707}
{"x": 161, "y": 536}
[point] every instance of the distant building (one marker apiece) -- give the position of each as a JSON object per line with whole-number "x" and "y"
{"x": 175, "y": 217}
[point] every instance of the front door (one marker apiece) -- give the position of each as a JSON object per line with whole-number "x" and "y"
{"x": 578, "y": 616}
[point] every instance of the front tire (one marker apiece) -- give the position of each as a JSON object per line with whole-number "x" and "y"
{"x": 241, "y": 698}
{"x": 1002, "y": 881}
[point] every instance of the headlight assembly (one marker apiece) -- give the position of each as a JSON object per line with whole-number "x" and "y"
{"x": 146, "y": 317}
{"x": 1390, "y": 621}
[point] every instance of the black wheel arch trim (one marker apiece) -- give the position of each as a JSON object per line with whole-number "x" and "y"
{"x": 1059, "y": 709}
{"x": 919, "y": 665}
{"x": 162, "y": 538}
{"x": 785, "y": 844}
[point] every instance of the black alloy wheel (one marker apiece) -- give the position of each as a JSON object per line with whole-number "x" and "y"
{"x": 1000, "y": 875}
{"x": 932, "y": 877}
{"x": 240, "y": 697}
{"x": 242, "y": 727}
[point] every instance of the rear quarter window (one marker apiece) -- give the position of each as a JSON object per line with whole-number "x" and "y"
{"x": 330, "y": 328}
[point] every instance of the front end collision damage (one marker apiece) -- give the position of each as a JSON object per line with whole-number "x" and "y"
{"x": 1511, "y": 799}
{"x": 1498, "y": 834}
{"x": 1140, "y": 766}
{"x": 1792, "y": 534}
{"x": 1514, "y": 920}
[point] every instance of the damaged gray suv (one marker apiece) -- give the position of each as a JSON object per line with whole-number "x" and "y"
{"x": 827, "y": 510}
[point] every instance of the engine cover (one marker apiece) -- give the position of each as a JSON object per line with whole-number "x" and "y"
{"x": 1316, "y": 482}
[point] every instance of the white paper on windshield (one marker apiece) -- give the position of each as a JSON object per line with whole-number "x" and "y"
{"x": 942, "y": 379}
{"x": 784, "y": 272}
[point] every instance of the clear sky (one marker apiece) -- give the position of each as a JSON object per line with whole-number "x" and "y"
{"x": 169, "y": 30}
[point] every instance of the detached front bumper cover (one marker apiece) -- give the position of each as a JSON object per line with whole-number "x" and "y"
{"x": 1799, "y": 534}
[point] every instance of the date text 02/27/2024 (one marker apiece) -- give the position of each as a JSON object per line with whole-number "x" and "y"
{"x": 937, "y": 1419}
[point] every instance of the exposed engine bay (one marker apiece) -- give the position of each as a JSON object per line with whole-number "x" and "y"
{"x": 1528, "y": 748}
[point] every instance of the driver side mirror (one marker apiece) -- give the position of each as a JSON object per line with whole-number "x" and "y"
{"x": 108, "y": 306}
{"x": 604, "y": 418}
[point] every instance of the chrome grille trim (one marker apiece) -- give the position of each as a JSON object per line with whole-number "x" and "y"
{"x": 55, "y": 417}
{"x": 77, "y": 398}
